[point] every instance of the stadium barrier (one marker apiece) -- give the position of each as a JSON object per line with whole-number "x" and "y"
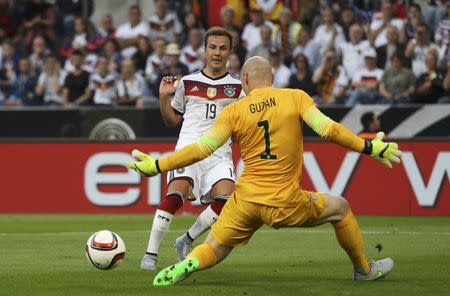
{"x": 91, "y": 177}
{"x": 397, "y": 121}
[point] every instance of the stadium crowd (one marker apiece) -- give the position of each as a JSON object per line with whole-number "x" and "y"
{"x": 340, "y": 52}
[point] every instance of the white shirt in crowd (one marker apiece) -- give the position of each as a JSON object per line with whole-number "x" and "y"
{"x": 381, "y": 39}
{"x": 51, "y": 86}
{"x": 323, "y": 37}
{"x": 90, "y": 61}
{"x": 192, "y": 58}
{"x": 132, "y": 88}
{"x": 353, "y": 56}
{"x": 167, "y": 28}
{"x": 104, "y": 88}
{"x": 312, "y": 51}
{"x": 154, "y": 65}
{"x": 418, "y": 59}
{"x": 281, "y": 76}
{"x": 252, "y": 35}
{"x": 125, "y": 31}
{"x": 366, "y": 75}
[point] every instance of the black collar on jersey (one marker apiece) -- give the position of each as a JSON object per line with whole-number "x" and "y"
{"x": 217, "y": 78}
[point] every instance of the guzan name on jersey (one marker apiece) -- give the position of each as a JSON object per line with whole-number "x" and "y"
{"x": 200, "y": 98}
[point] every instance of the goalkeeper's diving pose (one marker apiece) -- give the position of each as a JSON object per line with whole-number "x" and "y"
{"x": 267, "y": 125}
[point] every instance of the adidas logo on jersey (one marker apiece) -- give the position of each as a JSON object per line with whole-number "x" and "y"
{"x": 195, "y": 88}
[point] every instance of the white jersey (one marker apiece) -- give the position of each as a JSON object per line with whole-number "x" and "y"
{"x": 166, "y": 28}
{"x": 200, "y": 98}
{"x": 104, "y": 87}
{"x": 192, "y": 58}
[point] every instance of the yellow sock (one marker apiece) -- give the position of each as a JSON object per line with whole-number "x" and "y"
{"x": 205, "y": 255}
{"x": 349, "y": 237}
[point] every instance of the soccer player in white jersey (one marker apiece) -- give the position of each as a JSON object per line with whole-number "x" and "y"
{"x": 195, "y": 101}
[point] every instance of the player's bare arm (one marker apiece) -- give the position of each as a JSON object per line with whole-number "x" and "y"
{"x": 166, "y": 91}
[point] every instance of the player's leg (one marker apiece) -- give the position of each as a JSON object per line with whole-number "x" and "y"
{"x": 337, "y": 211}
{"x": 235, "y": 226}
{"x": 177, "y": 192}
{"x": 219, "y": 184}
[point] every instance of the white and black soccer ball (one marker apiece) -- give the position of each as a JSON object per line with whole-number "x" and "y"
{"x": 105, "y": 249}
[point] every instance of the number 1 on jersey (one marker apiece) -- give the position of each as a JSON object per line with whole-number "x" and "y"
{"x": 267, "y": 155}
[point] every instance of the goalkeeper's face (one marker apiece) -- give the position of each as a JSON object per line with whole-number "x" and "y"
{"x": 217, "y": 52}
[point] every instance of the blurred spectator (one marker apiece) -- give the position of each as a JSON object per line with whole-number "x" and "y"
{"x": 353, "y": 52}
{"x": 141, "y": 55}
{"x": 234, "y": 65}
{"x": 9, "y": 67}
{"x": 111, "y": 50}
{"x": 191, "y": 21}
{"x": 238, "y": 48}
{"x": 281, "y": 73}
{"x": 127, "y": 34}
{"x": 271, "y": 9}
{"x": 346, "y": 20}
{"x": 164, "y": 23}
{"x": 446, "y": 86}
{"x": 155, "y": 63}
{"x": 174, "y": 67}
{"x": 442, "y": 37}
{"x": 380, "y": 22}
{"x": 102, "y": 83}
{"x": 430, "y": 84}
{"x": 251, "y": 36}
{"x": 309, "y": 48}
{"x": 22, "y": 92}
{"x": 80, "y": 39}
{"x": 50, "y": 82}
{"x": 192, "y": 54}
{"x": 227, "y": 14}
{"x": 329, "y": 34}
{"x": 418, "y": 47}
{"x": 371, "y": 126}
{"x": 397, "y": 83}
{"x": 330, "y": 79}
{"x": 76, "y": 83}
{"x": 435, "y": 12}
{"x": 392, "y": 46}
{"x": 39, "y": 19}
{"x": 8, "y": 23}
{"x": 104, "y": 32}
{"x": 38, "y": 54}
{"x": 68, "y": 9}
{"x": 89, "y": 62}
{"x": 365, "y": 81}
{"x": 131, "y": 86}
{"x": 285, "y": 33}
{"x": 415, "y": 17}
{"x": 302, "y": 78}
{"x": 262, "y": 49}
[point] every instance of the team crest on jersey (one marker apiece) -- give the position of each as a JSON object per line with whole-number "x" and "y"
{"x": 229, "y": 91}
{"x": 211, "y": 92}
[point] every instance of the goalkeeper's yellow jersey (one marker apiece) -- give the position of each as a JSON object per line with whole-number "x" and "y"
{"x": 267, "y": 125}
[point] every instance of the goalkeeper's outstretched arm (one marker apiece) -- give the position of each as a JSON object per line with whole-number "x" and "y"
{"x": 385, "y": 152}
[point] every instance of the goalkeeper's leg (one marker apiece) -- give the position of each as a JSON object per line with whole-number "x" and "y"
{"x": 338, "y": 212}
{"x": 202, "y": 257}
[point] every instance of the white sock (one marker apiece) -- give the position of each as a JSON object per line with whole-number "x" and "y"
{"x": 207, "y": 218}
{"x": 160, "y": 226}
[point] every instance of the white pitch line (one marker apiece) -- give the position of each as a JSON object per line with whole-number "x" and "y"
{"x": 292, "y": 230}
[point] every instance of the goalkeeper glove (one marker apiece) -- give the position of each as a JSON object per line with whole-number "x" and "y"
{"x": 384, "y": 152}
{"x": 147, "y": 166}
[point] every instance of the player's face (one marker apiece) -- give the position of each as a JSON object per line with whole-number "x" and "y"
{"x": 217, "y": 52}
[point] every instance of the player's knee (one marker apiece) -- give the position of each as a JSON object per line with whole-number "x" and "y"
{"x": 172, "y": 202}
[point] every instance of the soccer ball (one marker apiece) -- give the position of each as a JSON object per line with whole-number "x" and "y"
{"x": 105, "y": 249}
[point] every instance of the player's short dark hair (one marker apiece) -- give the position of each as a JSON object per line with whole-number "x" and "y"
{"x": 366, "y": 119}
{"x": 218, "y": 31}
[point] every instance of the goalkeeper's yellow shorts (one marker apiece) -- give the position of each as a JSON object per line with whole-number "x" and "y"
{"x": 240, "y": 219}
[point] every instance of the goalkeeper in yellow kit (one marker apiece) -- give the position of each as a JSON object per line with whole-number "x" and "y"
{"x": 267, "y": 125}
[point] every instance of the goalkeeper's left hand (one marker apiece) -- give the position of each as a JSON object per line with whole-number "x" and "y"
{"x": 385, "y": 152}
{"x": 146, "y": 166}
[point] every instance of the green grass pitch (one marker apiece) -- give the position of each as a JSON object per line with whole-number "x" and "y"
{"x": 44, "y": 255}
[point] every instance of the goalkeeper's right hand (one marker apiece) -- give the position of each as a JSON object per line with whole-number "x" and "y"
{"x": 384, "y": 152}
